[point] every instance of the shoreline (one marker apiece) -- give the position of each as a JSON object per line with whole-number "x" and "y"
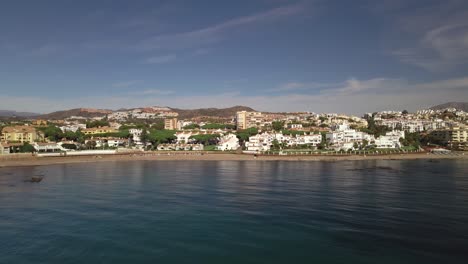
{"x": 43, "y": 161}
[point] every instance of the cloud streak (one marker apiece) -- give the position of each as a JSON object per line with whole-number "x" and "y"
{"x": 434, "y": 37}
{"x": 352, "y": 96}
{"x": 302, "y": 86}
{"x": 153, "y": 92}
{"x": 126, "y": 83}
{"x": 216, "y": 32}
{"x": 161, "y": 59}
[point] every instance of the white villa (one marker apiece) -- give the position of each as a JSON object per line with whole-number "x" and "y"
{"x": 344, "y": 138}
{"x": 228, "y": 142}
{"x": 184, "y": 136}
{"x": 136, "y": 136}
{"x": 390, "y": 140}
{"x": 264, "y": 141}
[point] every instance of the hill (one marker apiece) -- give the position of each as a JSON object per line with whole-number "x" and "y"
{"x": 84, "y": 112}
{"x": 9, "y": 113}
{"x": 458, "y": 105}
{"x": 210, "y": 112}
{"x": 183, "y": 113}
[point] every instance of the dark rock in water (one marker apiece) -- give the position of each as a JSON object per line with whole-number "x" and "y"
{"x": 36, "y": 178}
{"x": 370, "y": 169}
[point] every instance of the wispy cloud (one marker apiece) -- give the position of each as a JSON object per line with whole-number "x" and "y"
{"x": 126, "y": 83}
{"x": 355, "y": 86}
{"x": 153, "y": 92}
{"x": 161, "y": 59}
{"x": 201, "y": 51}
{"x": 353, "y": 96}
{"x": 433, "y": 37}
{"x": 150, "y": 38}
{"x": 304, "y": 86}
{"x": 216, "y": 32}
{"x": 440, "y": 49}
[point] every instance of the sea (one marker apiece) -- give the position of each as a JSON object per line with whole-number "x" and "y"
{"x": 371, "y": 211}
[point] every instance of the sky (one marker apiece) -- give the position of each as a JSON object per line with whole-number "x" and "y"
{"x": 272, "y": 55}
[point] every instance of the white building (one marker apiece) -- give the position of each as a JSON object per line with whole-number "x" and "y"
{"x": 47, "y": 147}
{"x": 343, "y": 134}
{"x": 295, "y": 126}
{"x": 390, "y": 140}
{"x": 116, "y": 142}
{"x": 72, "y": 127}
{"x": 260, "y": 142}
{"x": 264, "y": 141}
{"x": 195, "y": 147}
{"x": 228, "y": 142}
{"x": 345, "y": 138}
{"x": 310, "y": 139}
{"x": 136, "y": 136}
{"x": 184, "y": 136}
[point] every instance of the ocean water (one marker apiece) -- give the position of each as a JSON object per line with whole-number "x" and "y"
{"x": 236, "y": 212}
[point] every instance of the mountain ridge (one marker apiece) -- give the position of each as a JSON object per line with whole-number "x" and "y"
{"x": 183, "y": 113}
{"x": 11, "y": 113}
{"x": 458, "y": 105}
{"x": 210, "y": 112}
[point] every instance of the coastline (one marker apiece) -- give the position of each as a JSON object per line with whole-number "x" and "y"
{"x": 42, "y": 161}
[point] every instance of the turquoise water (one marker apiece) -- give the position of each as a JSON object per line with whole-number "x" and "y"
{"x": 236, "y": 212}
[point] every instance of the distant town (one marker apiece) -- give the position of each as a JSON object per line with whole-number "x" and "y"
{"x": 234, "y": 130}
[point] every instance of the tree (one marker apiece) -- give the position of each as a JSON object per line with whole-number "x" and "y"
{"x": 375, "y": 129}
{"x": 206, "y": 139}
{"x": 52, "y": 132}
{"x": 405, "y": 112}
{"x": 144, "y": 136}
{"x": 244, "y": 135}
{"x": 365, "y": 142}
{"x": 411, "y": 139}
{"x": 159, "y": 124}
{"x": 191, "y": 126}
{"x": 218, "y": 126}
{"x": 292, "y": 132}
{"x": 27, "y": 148}
{"x": 355, "y": 145}
{"x": 277, "y": 125}
{"x": 80, "y": 137}
{"x": 91, "y": 144}
{"x": 157, "y": 137}
{"x": 97, "y": 123}
{"x": 275, "y": 144}
{"x": 324, "y": 143}
{"x": 428, "y": 139}
{"x": 69, "y": 146}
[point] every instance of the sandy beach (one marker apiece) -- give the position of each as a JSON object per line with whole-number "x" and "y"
{"x": 26, "y": 160}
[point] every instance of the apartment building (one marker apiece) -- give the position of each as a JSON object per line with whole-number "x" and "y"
{"x": 170, "y": 123}
{"x": 99, "y": 130}
{"x": 246, "y": 119}
{"x": 456, "y": 137}
{"x": 21, "y": 134}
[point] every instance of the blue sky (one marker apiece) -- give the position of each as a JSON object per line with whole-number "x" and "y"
{"x": 272, "y": 55}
